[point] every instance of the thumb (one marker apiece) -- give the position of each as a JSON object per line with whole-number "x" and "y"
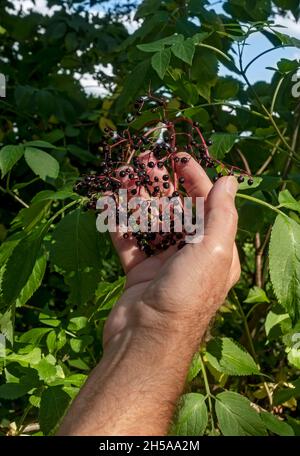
{"x": 221, "y": 214}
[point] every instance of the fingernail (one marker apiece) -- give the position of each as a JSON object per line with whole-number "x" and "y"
{"x": 231, "y": 185}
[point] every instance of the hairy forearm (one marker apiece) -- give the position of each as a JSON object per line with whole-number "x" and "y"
{"x": 135, "y": 387}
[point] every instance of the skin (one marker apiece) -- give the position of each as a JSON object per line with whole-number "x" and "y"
{"x": 157, "y": 325}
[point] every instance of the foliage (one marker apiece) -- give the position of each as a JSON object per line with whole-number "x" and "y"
{"x": 59, "y": 277}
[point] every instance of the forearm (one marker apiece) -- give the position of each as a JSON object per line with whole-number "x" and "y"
{"x": 135, "y": 388}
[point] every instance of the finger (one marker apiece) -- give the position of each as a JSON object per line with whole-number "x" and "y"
{"x": 221, "y": 216}
{"x": 196, "y": 181}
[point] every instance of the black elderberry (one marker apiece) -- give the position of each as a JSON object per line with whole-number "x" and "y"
{"x": 181, "y": 180}
{"x": 166, "y": 185}
{"x": 122, "y": 173}
{"x": 184, "y": 160}
{"x": 241, "y": 179}
{"x": 209, "y": 142}
{"x": 250, "y": 181}
{"x": 160, "y": 165}
{"x": 151, "y": 164}
{"x": 125, "y": 235}
{"x": 134, "y": 191}
{"x": 165, "y": 177}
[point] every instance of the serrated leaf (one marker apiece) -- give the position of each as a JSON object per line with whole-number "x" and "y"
{"x": 184, "y": 50}
{"x": 160, "y": 62}
{"x": 20, "y": 265}
{"x": 76, "y": 251}
{"x": 34, "y": 281}
{"x": 275, "y": 425}
{"x": 9, "y": 155}
{"x": 229, "y": 357}
{"x": 53, "y": 405}
{"x": 222, "y": 144}
{"x": 192, "y": 417}
{"x": 236, "y": 416}
{"x": 159, "y": 45}
{"x": 256, "y": 294}
{"x": 41, "y": 163}
{"x": 284, "y": 254}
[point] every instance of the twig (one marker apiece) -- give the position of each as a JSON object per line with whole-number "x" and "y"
{"x": 244, "y": 160}
{"x": 270, "y": 157}
{"x": 13, "y": 195}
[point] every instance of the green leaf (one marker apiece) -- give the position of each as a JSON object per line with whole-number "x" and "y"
{"x": 46, "y": 370}
{"x": 20, "y": 265}
{"x": 9, "y": 155}
{"x": 284, "y": 254}
{"x": 54, "y": 404}
{"x": 34, "y": 281}
{"x": 222, "y": 144}
{"x": 294, "y": 356}
{"x": 13, "y": 391}
{"x": 256, "y": 294}
{"x": 288, "y": 201}
{"x": 31, "y": 216}
{"x": 273, "y": 319}
{"x": 256, "y": 182}
{"x": 160, "y": 62}
{"x": 184, "y": 50}
{"x": 32, "y": 358}
{"x": 236, "y": 416}
{"x": 33, "y": 336}
{"x": 195, "y": 368}
{"x": 159, "y": 45}
{"x": 229, "y": 357}
{"x": 39, "y": 143}
{"x": 275, "y": 425}
{"x": 192, "y": 416}
{"x": 197, "y": 113}
{"x": 133, "y": 84}
{"x": 226, "y": 88}
{"x": 76, "y": 251}
{"x": 285, "y": 394}
{"x": 41, "y": 163}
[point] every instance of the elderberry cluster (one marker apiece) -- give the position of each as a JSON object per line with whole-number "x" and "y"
{"x": 146, "y": 164}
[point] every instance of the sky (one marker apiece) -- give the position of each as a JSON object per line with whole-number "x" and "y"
{"x": 257, "y": 43}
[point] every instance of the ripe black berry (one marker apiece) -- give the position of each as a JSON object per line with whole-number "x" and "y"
{"x": 241, "y": 179}
{"x": 250, "y": 181}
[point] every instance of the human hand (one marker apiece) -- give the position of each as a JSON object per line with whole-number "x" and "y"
{"x": 181, "y": 290}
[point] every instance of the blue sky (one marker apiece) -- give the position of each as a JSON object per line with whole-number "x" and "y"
{"x": 257, "y": 43}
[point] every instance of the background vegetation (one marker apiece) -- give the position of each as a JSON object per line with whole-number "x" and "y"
{"x": 59, "y": 277}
